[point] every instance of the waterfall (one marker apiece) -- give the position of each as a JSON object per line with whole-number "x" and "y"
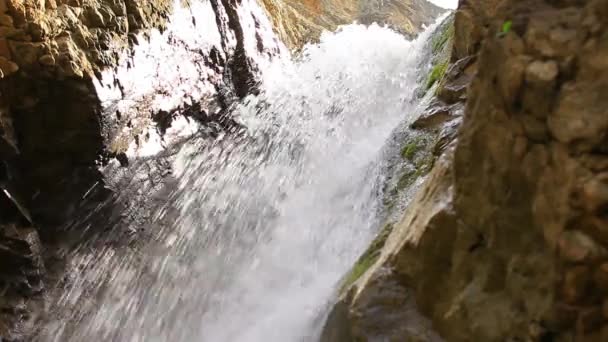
{"x": 244, "y": 233}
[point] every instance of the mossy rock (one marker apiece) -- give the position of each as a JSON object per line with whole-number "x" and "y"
{"x": 418, "y": 154}
{"x": 441, "y": 45}
{"x": 437, "y": 74}
{"x": 444, "y": 38}
{"x": 409, "y": 151}
{"x": 368, "y": 258}
{"x": 407, "y": 179}
{"x": 411, "y": 148}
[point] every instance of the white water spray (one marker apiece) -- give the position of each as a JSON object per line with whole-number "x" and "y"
{"x": 265, "y": 221}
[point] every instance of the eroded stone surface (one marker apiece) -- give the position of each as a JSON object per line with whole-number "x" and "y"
{"x": 523, "y": 257}
{"x": 55, "y": 132}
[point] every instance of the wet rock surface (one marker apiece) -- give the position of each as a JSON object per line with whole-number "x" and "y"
{"x": 509, "y": 243}
{"x": 66, "y": 72}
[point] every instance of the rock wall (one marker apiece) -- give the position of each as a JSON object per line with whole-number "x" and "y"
{"x": 298, "y": 22}
{"x": 506, "y": 240}
{"x": 49, "y": 56}
{"x": 69, "y": 103}
{"x": 51, "y": 126}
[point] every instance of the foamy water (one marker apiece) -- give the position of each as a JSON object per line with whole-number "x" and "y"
{"x": 263, "y": 223}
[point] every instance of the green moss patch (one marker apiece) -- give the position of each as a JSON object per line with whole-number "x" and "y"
{"x": 368, "y": 258}
{"x": 436, "y": 74}
{"x": 409, "y": 151}
{"x": 407, "y": 179}
{"x": 441, "y": 47}
{"x": 440, "y": 41}
{"x": 413, "y": 147}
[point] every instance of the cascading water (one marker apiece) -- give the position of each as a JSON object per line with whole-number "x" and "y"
{"x": 262, "y": 221}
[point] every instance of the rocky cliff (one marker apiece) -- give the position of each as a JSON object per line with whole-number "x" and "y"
{"x": 89, "y": 83}
{"x": 83, "y": 82}
{"x": 506, "y": 239}
{"x": 298, "y": 22}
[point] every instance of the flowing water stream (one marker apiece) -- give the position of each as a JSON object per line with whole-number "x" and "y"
{"x": 260, "y": 223}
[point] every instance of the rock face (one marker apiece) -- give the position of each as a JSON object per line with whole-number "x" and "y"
{"x": 506, "y": 239}
{"x": 298, "y": 22}
{"x": 70, "y": 102}
{"x": 52, "y": 53}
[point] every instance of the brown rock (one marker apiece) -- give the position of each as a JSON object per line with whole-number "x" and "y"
{"x": 453, "y": 91}
{"x": 47, "y": 60}
{"x": 71, "y": 69}
{"x": 7, "y": 67}
{"x": 26, "y": 54}
{"x": 535, "y": 128}
{"x": 12, "y": 33}
{"x": 118, "y": 7}
{"x": 596, "y": 51}
{"x": 468, "y": 31}
{"x": 594, "y": 226}
{"x": 109, "y": 18}
{"x": 600, "y": 277}
{"x": 298, "y": 22}
{"x": 94, "y": 17}
{"x": 512, "y": 77}
{"x": 51, "y": 4}
{"x": 603, "y": 335}
{"x": 595, "y": 193}
{"x": 575, "y": 119}
{"x": 595, "y": 163}
{"x": 589, "y": 319}
{"x": 542, "y": 73}
{"x": 8, "y": 142}
{"x": 565, "y": 314}
{"x": 538, "y": 95}
{"x": 436, "y": 115}
{"x": 537, "y": 38}
{"x": 575, "y": 246}
{"x": 67, "y": 13}
{"x": 6, "y": 20}
{"x": 5, "y": 50}
{"x": 576, "y": 282}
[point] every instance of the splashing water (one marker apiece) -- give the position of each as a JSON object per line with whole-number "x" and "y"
{"x": 262, "y": 223}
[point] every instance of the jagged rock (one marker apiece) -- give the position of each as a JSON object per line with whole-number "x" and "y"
{"x": 573, "y": 120}
{"x": 382, "y": 304}
{"x": 447, "y": 134}
{"x": 94, "y": 17}
{"x": 523, "y": 257}
{"x": 436, "y": 116}
{"x": 454, "y": 85}
{"x": 470, "y": 22}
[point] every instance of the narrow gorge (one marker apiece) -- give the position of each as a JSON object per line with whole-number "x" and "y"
{"x": 303, "y": 170}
